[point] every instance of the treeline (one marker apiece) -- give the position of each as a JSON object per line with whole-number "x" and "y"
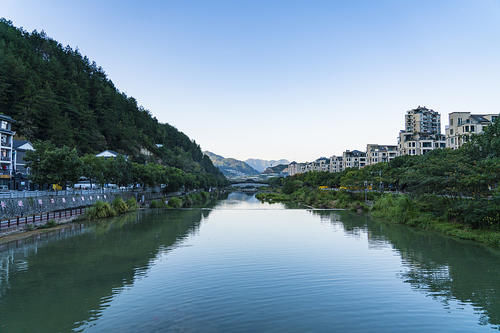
{"x": 52, "y": 165}
{"x": 444, "y": 185}
{"x": 58, "y": 95}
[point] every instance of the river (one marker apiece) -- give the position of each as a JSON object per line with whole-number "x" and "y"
{"x": 246, "y": 266}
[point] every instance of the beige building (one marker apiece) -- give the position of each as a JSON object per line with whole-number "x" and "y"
{"x": 321, "y": 164}
{"x": 380, "y": 153}
{"x": 336, "y": 164}
{"x": 423, "y": 120}
{"x": 422, "y": 132}
{"x": 353, "y": 159}
{"x": 464, "y": 124}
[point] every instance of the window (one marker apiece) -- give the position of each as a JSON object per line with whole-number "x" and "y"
{"x": 451, "y": 131}
{"x": 451, "y": 122}
{"x": 466, "y": 128}
{"x": 4, "y": 124}
{"x": 472, "y": 128}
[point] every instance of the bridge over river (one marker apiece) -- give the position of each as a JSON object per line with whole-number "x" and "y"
{"x": 249, "y": 186}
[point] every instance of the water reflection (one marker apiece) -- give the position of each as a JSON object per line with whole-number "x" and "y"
{"x": 70, "y": 282}
{"x": 219, "y": 268}
{"x": 443, "y": 268}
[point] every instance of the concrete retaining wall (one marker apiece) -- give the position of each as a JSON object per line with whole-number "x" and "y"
{"x": 10, "y": 208}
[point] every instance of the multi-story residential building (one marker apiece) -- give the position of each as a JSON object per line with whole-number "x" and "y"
{"x": 20, "y": 170}
{"x": 422, "y": 132}
{"x": 416, "y": 144}
{"x": 321, "y": 164}
{"x": 6, "y": 145}
{"x": 464, "y": 124}
{"x": 336, "y": 164}
{"x": 380, "y": 153}
{"x": 294, "y": 168}
{"x": 423, "y": 120}
{"x": 353, "y": 159}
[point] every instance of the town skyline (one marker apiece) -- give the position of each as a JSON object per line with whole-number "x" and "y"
{"x": 243, "y": 86}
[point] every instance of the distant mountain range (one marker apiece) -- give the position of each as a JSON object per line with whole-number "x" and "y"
{"x": 231, "y": 167}
{"x": 276, "y": 169}
{"x": 262, "y": 165}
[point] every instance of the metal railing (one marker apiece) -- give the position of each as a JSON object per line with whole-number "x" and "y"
{"x": 32, "y": 194}
{"x": 22, "y": 222}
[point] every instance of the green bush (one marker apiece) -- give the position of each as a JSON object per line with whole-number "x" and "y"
{"x": 175, "y": 202}
{"x": 119, "y": 206}
{"x": 132, "y": 204}
{"x": 51, "y": 223}
{"x": 100, "y": 210}
{"x": 157, "y": 204}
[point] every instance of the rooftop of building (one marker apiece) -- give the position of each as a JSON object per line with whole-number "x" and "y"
{"x": 7, "y": 118}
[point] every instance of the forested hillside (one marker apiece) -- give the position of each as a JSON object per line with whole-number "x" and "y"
{"x": 58, "y": 95}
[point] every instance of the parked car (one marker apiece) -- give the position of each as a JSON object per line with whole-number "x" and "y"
{"x": 84, "y": 185}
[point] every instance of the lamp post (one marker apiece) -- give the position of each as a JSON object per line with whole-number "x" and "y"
{"x": 366, "y": 190}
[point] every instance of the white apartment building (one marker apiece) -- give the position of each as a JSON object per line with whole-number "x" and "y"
{"x": 422, "y": 132}
{"x": 380, "y": 153}
{"x": 321, "y": 164}
{"x": 353, "y": 159}
{"x": 336, "y": 164}
{"x": 6, "y": 147}
{"x": 464, "y": 124}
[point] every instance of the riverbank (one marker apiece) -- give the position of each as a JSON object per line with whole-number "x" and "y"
{"x": 425, "y": 212}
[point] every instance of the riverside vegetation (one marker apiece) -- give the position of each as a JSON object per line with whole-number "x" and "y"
{"x": 453, "y": 191}
{"x": 118, "y": 206}
{"x": 103, "y": 209}
{"x": 187, "y": 201}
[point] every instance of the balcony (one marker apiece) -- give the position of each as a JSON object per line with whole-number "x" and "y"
{"x": 5, "y": 159}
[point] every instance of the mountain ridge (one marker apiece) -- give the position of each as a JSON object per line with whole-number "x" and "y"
{"x": 261, "y": 165}
{"x": 231, "y": 167}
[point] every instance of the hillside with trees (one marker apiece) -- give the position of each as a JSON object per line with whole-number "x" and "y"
{"x": 59, "y": 96}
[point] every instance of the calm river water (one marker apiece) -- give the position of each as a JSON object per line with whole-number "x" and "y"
{"x": 244, "y": 266}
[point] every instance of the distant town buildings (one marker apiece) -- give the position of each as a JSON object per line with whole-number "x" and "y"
{"x": 421, "y": 134}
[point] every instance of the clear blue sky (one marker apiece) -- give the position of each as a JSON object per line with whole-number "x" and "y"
{"x": 285, "y": 79}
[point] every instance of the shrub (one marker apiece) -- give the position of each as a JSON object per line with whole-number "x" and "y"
{"x": 100, "y": 210}
{"x": 132, "y": 204}
{"x": 157, "y": 204}
{"x": 175, "y": 202}
{"x": 51, "y": 223}
{"x": 119, "y": 206}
